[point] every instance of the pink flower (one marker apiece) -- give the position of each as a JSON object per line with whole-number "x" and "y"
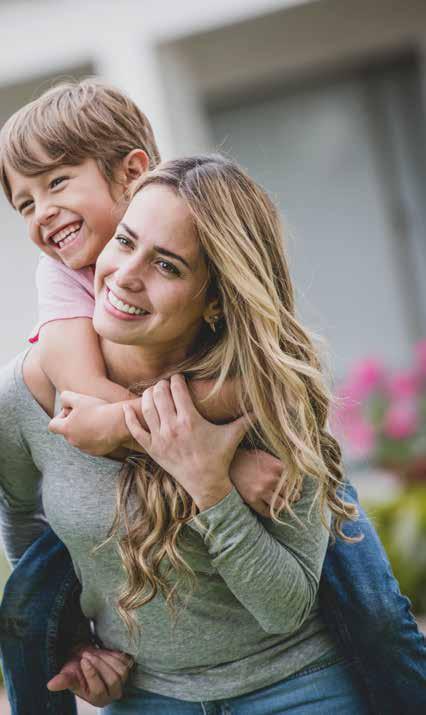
{"x": 354, "y": 430}
{"x": 403, "y": 384}
{"x": 401, "y": 420}
{"x": 359, "y": 436}
{"x": 367, "y": 377}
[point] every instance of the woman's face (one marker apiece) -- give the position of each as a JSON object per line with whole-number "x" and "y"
{"x": 151, "y": 278}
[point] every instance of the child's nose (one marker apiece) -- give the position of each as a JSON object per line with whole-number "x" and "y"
{"x": 45, "y": 213}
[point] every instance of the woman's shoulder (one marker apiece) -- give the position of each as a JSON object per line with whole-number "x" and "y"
{"x": 23, "y": 386}
{"x": 37, "y": 383}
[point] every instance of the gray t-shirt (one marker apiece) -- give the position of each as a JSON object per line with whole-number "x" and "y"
{"x": 252, "y": 619}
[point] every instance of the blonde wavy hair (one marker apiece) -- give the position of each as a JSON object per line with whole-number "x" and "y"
{"x": 261, "y": 346}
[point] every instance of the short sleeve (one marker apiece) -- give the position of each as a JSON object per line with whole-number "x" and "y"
{"x": 63, "y": 293}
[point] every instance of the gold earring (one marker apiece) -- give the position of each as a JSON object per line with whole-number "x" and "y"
{"x": 211, "y": 321}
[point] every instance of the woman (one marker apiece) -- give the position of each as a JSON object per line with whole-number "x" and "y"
{"x": 217, "y": 606}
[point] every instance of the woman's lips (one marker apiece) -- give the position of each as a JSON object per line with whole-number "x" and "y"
{"x": 112, "y": 310}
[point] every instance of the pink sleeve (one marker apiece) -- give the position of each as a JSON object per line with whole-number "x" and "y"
{"x": 62, "y": 292}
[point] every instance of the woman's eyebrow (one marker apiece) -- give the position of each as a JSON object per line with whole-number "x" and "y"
{"x": 159, "y": 249}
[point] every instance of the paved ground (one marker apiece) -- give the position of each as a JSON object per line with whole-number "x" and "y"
{"x": 85, "y": 709}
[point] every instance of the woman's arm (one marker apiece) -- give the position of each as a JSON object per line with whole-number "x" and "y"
{"x": 273, "y": 569}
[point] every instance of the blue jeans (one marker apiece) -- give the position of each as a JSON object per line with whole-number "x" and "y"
{"x": 371, "y": 621}
{"x": 360, "y": 602}
{"x": 40, "y": 619}
{"x": 325, "y": 689}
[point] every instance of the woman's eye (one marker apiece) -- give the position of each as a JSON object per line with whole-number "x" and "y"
{"x": 57, "y": 181}
{"x": 168, "y": 267}
{"x": 123, "y": 241}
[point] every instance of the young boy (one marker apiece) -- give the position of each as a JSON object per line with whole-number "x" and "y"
{"x": 67, "y": 177}
{"x": 65, "y": 163}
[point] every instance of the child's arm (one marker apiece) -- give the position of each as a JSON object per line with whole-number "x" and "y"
{"x": 82, "y": 369}
{"x": 68, "y": 345}
{"x": 99, "y": 427}
{"x": 71, "y": 358}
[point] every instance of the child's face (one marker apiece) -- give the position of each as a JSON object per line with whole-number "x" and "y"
{"x": 71, "y": 211}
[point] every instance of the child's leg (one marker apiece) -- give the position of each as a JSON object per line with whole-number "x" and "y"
{"x": 371, "y": 620}
{"x": 39, "y": 617}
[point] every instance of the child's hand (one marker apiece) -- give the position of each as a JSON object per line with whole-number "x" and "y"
{"x": 194, "y": 451}
{"x": 94, "y": 674}
{"x": 255, "y": 474}
{"x": 85, "y": 424}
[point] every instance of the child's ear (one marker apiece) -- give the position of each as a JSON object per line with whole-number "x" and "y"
{"x": 134, "y": 164}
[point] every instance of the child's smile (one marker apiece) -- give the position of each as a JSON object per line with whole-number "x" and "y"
{"x": 70, "y": 211}
{"x": 65, "y": 235}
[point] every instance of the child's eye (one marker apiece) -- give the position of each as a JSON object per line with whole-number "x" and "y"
{"x": 24, "y": 205}
{"x": 58, "y": 180}
{"x": 168, "y": 267}
{"x": 123, "y": 241}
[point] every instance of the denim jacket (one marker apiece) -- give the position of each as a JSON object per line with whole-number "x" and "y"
{"x": 40, "y": 619}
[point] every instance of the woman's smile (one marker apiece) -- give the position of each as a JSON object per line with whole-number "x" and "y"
{"x": 122, "y": 309}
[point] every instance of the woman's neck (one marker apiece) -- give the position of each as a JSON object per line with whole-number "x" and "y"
{"x": 128, "y": 364}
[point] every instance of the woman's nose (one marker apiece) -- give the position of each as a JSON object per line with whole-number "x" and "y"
{"x": 130, "y": 278}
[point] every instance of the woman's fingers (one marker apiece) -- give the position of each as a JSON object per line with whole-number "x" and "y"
{"x": 163, "y": 401}
{"x": 135, "y": 428}
{"x": 149, "y": 410}
{"x": 181, "y": 395}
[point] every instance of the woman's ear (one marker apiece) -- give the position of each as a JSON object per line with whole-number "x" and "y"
{"x": 134, "y": 164}
{"x": 213, "y": 313}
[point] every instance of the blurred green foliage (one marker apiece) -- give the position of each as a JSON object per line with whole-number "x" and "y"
{"x": 401, "y": 525}
{"x": 4, "y": 571}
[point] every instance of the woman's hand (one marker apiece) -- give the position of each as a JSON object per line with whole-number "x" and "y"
{"x": 256, "y": 474}
{"x": 86, "y": 423}
{"x": 94, "y": 674}
{"x": 194, "y": 451}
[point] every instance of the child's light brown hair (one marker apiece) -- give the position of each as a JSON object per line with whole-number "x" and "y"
{"x": 71, "y": 122}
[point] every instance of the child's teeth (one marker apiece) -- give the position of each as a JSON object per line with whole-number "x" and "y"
{"x": 67, "y": 240}
{"x": 66, "y": 235}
